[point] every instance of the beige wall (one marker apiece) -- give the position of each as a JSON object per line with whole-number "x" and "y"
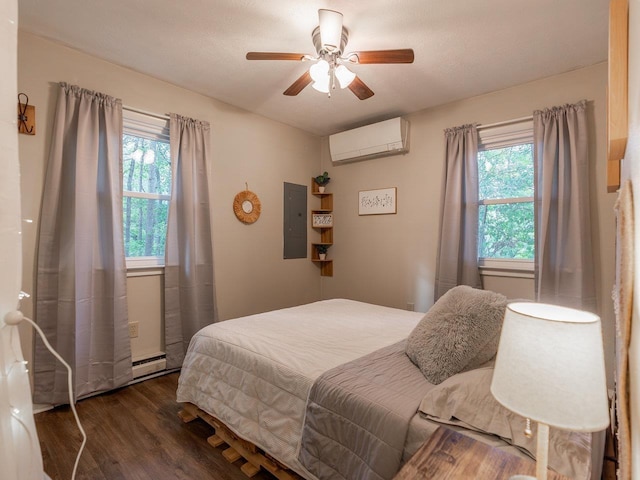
{"x": 391, "y": 259}
{"x": 388, "y": 259}
{"x": 513, "y": 288}
{"x": 145, "y": 299}
{"x": 251, "y": 275}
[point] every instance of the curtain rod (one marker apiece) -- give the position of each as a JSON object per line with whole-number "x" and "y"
{"x": 137, "y": 110}
{"x": 506, "y": 122}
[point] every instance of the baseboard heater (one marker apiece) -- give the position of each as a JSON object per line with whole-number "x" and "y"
{"x": 149, "y": 365}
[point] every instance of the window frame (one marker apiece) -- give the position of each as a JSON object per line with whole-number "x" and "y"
{"x": 155, "y": 128}
{"x": 507, "y": 134}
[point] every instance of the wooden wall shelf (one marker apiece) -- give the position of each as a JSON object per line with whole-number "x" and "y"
{"x": 326, "y": 232}
{"x": 617, "y": 90}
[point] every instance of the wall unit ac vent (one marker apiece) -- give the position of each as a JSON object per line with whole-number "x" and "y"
{"x": 149, "y": 365}
{"x": 381, "y": 139}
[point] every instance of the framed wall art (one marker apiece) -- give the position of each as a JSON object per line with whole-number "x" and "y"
{"x": 322, "y": 220}
{"x": 377, "y": 202}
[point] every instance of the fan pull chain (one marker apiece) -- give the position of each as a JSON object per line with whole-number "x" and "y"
{"x": 527, "y": 429}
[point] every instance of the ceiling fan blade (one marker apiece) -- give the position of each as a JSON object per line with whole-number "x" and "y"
{"x": 274, "y": 56}
{"x": 360, "y": 89}
{"x": 297, "y": 86}
{"x": 404, "y": 55}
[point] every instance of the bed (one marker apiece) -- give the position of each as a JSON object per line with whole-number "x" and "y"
{"x": 291, "y": 383}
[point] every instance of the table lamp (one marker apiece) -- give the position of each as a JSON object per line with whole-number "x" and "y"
{"x": 550, "y": 369}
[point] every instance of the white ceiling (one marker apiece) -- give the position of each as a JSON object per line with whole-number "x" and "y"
{"x": 462, "y": 48}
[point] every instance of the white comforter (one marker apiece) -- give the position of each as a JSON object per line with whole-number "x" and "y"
{"x": 254, "y": 373}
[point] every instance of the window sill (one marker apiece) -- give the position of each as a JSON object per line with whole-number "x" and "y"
{"x": 506, "y": 268}
{"x": 144, "y": 262}
{"x": 144, "y": 270}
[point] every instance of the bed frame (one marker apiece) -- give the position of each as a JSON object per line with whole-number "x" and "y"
{"x": 237, "y": 447}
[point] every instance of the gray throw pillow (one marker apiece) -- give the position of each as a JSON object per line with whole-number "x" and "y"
{"x": 460, "y": 332}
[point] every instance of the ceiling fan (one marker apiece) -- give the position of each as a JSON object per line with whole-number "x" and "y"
{"x": 330, "y": 67}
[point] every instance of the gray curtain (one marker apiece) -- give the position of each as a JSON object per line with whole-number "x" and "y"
{"x": 81, "y": 276}
{"x": 189, "y": 291}
{"x": 564, "y": 259}
{"x": 458, "y": 250}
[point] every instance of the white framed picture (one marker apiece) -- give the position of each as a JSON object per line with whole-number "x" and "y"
{"x": 377, "y": 202}
{"x": 322, "y": 220}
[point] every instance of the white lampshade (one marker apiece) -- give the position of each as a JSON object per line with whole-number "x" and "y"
{"x": 550, "y": 367}
{"x": 344, "y": 76}
{"x": 320, "y": 71}
{"x": 321, "y": 85}
{"x": 330, "y": 29}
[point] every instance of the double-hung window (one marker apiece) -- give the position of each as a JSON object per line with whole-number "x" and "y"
{"x": 506, "y": 231}
{"x": 146, "y": 188}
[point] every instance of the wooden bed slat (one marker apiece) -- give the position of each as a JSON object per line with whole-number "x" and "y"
{"x": 249, "y": 469}
{"x": 231, "y": 455}
{"x": 186, "y": 416}
{"x": 215, "y": 441}
{"x": 255, "y": 458}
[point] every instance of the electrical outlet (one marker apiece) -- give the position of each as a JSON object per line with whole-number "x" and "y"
{"x": 411, "y": 306}
{"x": 133, "y": 329}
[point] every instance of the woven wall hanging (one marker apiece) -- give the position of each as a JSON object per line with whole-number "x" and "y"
{"x": 246, "y": 206}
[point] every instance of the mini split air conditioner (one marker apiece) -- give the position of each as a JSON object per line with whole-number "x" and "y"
{"x": 382, "y": 139}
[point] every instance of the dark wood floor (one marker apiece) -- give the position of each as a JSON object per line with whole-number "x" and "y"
{"x": 133, "y": 433}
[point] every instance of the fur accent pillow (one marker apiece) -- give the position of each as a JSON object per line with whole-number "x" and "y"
{"x": 460, "y": 332}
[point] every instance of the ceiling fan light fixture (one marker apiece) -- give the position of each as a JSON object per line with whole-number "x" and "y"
{"x": 329, "y": 69}
{"x": 330, "y": 29}
{"x": 321, "y": 85}
{"x": 344, "y": 76}
{"x": 319, "y": 71}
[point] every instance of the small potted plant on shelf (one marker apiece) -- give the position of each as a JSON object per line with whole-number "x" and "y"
{"x": 322, "y": 180}
{"x": 322, "y": 251}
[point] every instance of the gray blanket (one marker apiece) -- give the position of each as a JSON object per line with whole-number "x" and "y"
{"x": 358, "y": 416}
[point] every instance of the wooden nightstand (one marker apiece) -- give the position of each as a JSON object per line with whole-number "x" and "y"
{"x": 448, "y": 455}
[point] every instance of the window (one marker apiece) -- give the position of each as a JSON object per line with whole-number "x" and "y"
{"x": 147, "y": 188}
{"x": 506, "y": 231}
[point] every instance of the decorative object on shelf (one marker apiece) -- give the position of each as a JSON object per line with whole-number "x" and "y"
{"x": 377, "y": 202}
{"x": 322, "y": 220}
{"x": 246, "y": 206}
{"x": 321, "y": 181}
{"x": 550, "y": 369}
{"x": 26, "y": 116}
{"x": 322, "y": 251}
